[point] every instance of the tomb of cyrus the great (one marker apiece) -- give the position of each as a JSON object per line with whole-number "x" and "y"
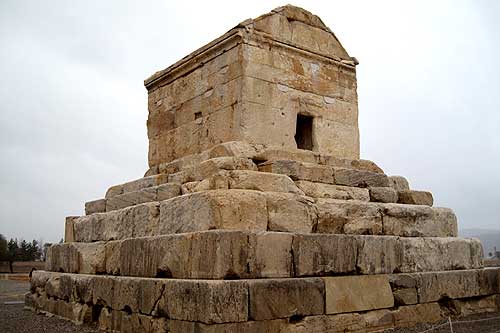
{"x": 257, "y": 213}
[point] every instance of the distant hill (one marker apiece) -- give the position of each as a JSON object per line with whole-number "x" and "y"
{"x": 489, "y": 237}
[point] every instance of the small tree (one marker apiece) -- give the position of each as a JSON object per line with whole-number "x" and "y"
{"x": 12, "y": 253}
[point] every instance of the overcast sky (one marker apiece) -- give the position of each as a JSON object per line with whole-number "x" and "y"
{"x": 74, "y": 108}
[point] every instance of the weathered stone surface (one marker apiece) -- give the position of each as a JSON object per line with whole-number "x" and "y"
{"x": 69, "y": 232}
{"x": 86, "y": 258}
{"x": 230, "y": 209}
{"x": 357, "y": 293}
{"x": 317, "y": 255}
{"x": 349, "y": 217}
{"x": 466, "y": 307}
{"x": 383, "y": 194}
{"x": 434, "y": 286}
{"x": 121, "y": 321}
{"x": 379, "y": 254}
{"x": 415, "y": 197}
{"x": 399, "y": 183}
{"x": 419, "y": 221}
{"x": 359, "y": 178}
{"x": 96, "y": 206}
{"x": 299, "y": 170}
{"x": 407, "y": 316}
{"x": 321, "y": 190}
{"x": 253, "y": 180}
{"x": 150, "y": 194}
{"x": 205, "y": 301}
{"x": 405, "y": 296}
{"x": 214, "y": 165}
{"x": 455, "y": 253}
{"x": 136, "y": 185}
{"x": 283, "y": 298}
{"x": 136, "y": 221}
{"x": 290, "y": 212}
{"x": 350, "y": 164}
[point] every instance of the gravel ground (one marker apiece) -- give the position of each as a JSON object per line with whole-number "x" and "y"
{"x": 13, "y": 318}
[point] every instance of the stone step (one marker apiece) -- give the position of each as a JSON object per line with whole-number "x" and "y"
{"x": 235, "y": 254}
{"x": 261, "y": 153}
{"x": 326, "y": 174}
{"x": 251, "y": 210}
{"x": 218, "y": 178}
{"x": 237, "y": 301}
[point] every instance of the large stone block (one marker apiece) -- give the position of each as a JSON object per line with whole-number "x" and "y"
{"x": 150, "y": 194}
{"x": 229, "y": 209}
{"x": 86, "y": 258}
{"x": 299, "y": 170}
{"x": 383, "y": 194}
{"x": 291, "y": 213}
{"x": 69, "y": 231}
{"x": 415, "y": 197}
{"x": 136, "y": 221}
{"x": 408, "y": 316}
{"x": 454, "y": 253}
{"x": 379, "y": 254}
{"x": 316, "y": 255}
{"x": 419, "y": 221}
{"x": 399, "y": 183}
{"x": 357, "y": 293}
{"x": 284, "y": 298}
{"x": 136, "y": 185}
{"x": 253, "y": 180}
{"x": 328, "y": 191}
{"x": 95, "y": 206}
{"x": 349, "y": 217}
{"x": 205, "y": 301}
{"x": 360, "y": 178}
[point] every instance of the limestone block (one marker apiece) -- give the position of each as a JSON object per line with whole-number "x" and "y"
{"x": 254, "y": 180}
{"x": 121, "y": 321}
{"x": 466, "y": 307}
{"x": 299, "y": 170}
{"x": 243, "y": 327}
{"x": 415, "y": 197}
{"x": 321, "y": 190}
{"x": 69, "y": 232}
{"x": 316, "y": 255}
{"x": 339, "y": 323}
{"x": 84, "y": 258}
{"x": 136, "y": 185}
{"x": 454, "y": 253}
{"x": 96, "y": 206}
{"x": 357, "y": 293}
{"x": 230, "y": 209}
{"x": 233, "y": 148}
{"x": 150, "y": 194}
{"x": 277, "y": 154}
{"x": 205, "y": 301}
{"x": 136, "y": 221}
{"x": 434, "y": 286}
{"x": 190, "y": 187}
{"x": 273, "y": 255}
{"x": 379, "y": 254}
{"x": 410, "y": 315}
{"x": 214, "y": 165}
{"x": 203, "y": 255}
{"x": 283, "y": 298}
{"x": 405, "y": 296}
{"x": 359, "y": 178}
{"x": 290, "y": 212}
{"x": 358, "y": 164}
{"x": 383, "y": 194}
{"x": 419, "y": 221}
{"x": 349, "y": 217}
{"x": 399, "y": 183}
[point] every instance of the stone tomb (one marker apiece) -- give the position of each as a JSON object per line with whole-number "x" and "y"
{"x": 257, "y": 213}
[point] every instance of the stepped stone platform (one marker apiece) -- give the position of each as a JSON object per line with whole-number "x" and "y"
{"x": 257, "y": 213}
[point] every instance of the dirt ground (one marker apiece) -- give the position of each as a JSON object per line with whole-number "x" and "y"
{"x": 13, "y": 318}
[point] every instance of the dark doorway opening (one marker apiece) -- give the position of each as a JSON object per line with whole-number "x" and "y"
{"x": 304, "y": 132}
